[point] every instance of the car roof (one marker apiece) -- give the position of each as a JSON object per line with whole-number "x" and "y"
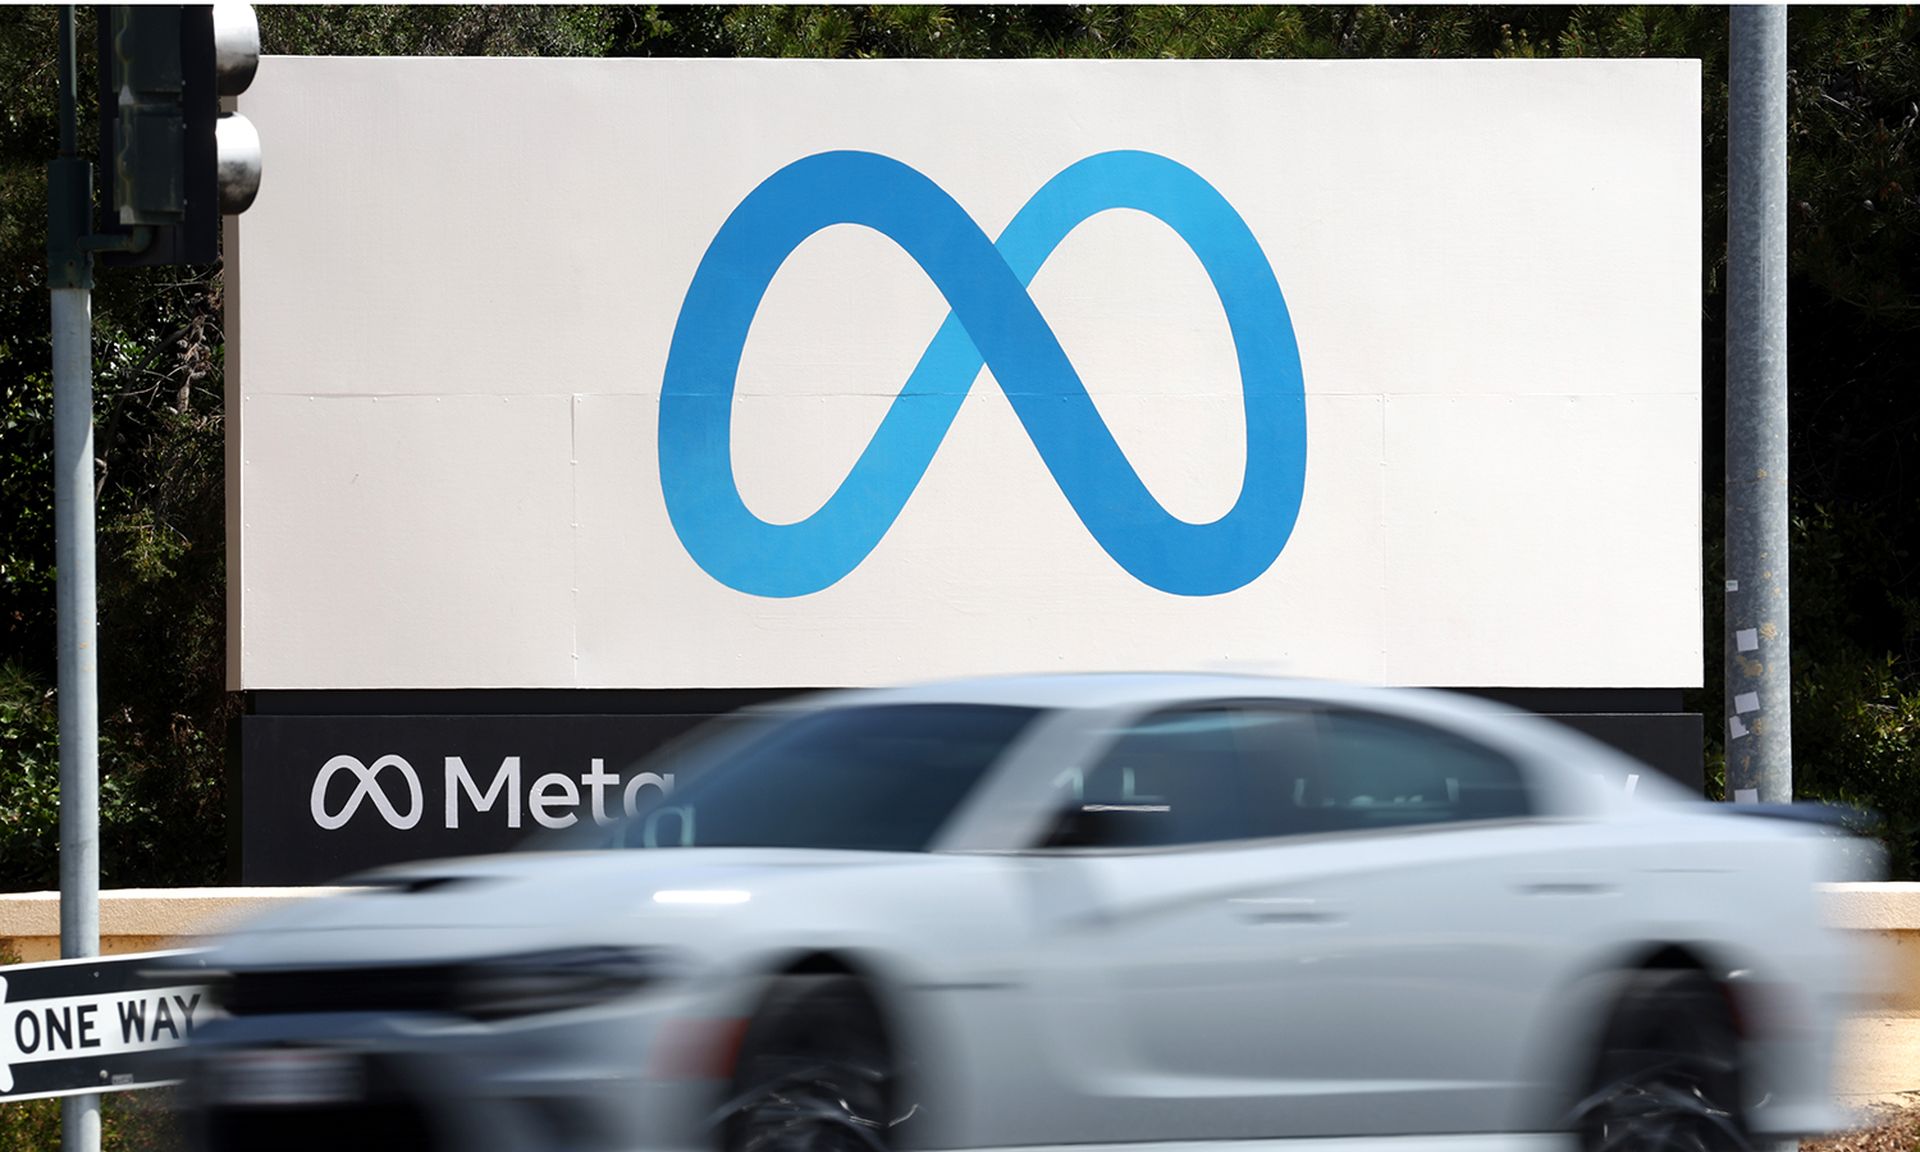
{"x": 1505, "y": 724}
{"x": 1516, "y": 730}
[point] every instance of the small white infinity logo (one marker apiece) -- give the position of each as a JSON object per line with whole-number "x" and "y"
{"x": 368, "y": 788}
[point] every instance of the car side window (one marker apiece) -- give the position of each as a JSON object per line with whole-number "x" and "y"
{"x": 1168, "y": 779}
{"x": 1335, "y": 770}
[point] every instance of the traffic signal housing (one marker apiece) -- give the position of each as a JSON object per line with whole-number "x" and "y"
{"x": 172, "y": 162}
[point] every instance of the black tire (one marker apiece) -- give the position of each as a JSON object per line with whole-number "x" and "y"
{"x": 1668, "y": 1075}
{"x": 815, "y": 1072}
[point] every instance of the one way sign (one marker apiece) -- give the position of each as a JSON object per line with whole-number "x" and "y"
{"x": 92, "y": 1025}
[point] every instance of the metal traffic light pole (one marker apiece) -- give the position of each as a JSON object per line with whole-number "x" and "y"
{"x": 175, "y": 168}
{"x": 70, "y": 276}
{"x": 176, "y": 165}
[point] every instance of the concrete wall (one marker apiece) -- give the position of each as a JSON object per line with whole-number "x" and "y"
{"x": 1892, "y": 913}
{"x": 135, "y": 919}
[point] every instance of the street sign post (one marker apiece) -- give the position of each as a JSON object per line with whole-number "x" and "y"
{"x": 72, "y": 1027}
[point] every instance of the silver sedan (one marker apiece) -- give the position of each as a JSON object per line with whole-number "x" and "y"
{"x": 1096, "y": 910}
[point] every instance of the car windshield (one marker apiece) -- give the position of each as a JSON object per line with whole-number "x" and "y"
{"x": 882, "y": 778}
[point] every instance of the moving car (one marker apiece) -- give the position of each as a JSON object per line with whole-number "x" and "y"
{"x": 1074, "y": 910}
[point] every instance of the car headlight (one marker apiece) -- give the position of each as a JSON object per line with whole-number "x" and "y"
{"x": 557, "y": 981}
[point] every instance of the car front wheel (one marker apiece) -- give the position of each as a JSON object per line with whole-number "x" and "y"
{"x": 815, "y": 1072}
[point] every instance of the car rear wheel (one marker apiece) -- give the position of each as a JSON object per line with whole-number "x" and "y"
{"x": 1668, "y": 1072}
{"x": 815, "y": 1072}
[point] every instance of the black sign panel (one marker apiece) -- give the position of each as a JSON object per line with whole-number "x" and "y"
{"x": 1668, "y": 741}
{"x": 95, "y": 1025}
{"x": 324, "y": 796}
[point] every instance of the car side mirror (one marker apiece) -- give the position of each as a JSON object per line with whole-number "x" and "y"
{"x": 1111, "y": 826}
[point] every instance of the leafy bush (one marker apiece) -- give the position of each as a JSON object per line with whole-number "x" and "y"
{"x": 30, "y": 790}
{"x": 29, "y": 780}
{"x": 129, "y": 1122}
{"x": 1857, "y": 741}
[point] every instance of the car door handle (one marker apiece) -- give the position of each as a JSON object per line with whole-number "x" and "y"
{"x": 1571, "y": 884}
{"x": 1286, "y": 910}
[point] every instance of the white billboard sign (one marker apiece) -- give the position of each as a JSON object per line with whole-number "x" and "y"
{"x": 623, "y": 373}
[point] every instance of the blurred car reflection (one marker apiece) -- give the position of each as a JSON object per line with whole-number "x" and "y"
{"x": 1068, "y": 911}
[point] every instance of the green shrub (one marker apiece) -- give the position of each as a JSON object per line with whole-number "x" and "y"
{"x": 29, "y": 781}
{"x": 129, "y": 1122}
{"x": 1855, "y": 730}
{"x": 30, "y": 793}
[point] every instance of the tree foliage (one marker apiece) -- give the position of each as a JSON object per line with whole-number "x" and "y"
{"x": 160, "y": 487}
{"x": 1854, "y": 347}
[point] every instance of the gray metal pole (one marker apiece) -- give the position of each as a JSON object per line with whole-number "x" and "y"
{"x": 1759, "y": 716}
{"x": 70, "y": 277}
{"x": 79, "y": 704}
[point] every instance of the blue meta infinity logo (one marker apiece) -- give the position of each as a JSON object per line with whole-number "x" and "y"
{"x": 993, "y": 323}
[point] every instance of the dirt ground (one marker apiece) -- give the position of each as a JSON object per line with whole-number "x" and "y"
{"x": 1895, "y": 1129}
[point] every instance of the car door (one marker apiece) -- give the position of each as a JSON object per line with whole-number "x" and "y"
{"x": 1347, "y": 954}
{"x": 1160, "y": 985}
{"x": 1424, "y": 846}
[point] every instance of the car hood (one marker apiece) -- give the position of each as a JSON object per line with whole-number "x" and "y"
{"x": 509, "y": 894}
